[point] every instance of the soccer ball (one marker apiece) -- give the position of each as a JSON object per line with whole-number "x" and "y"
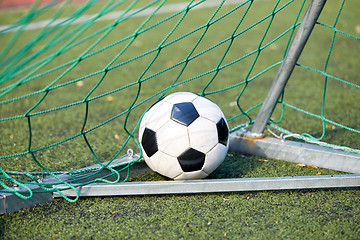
{"x": 184, "y": 136}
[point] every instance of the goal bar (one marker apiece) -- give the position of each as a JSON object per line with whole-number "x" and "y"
{"x": 215, "y": 185}
{"x": 287, "y": 66}
{"x": 297, "y": 152}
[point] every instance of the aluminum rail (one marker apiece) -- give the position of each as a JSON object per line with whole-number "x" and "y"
{"x": 215, "y": 185}
{"x": 297, "y": 152}
{"x": 9, "y": 202}
{"x": 265, "y": 147}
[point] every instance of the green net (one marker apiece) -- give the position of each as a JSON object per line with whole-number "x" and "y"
{"x": 75, "y": 79}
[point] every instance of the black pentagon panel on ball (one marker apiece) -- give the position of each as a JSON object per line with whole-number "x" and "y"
{"x": 149, "y": 142}
{"x": 191, "y": 160}
{"x": 184, "y": 113}
{"x": 223, "y": 131}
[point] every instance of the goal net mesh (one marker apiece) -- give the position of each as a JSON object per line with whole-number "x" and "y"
{"x": 76, "y": 78}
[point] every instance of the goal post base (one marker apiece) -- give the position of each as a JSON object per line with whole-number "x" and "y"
{"x": 215, "y": 185}
{"x": 273, "y": 148}
{"x": 9, "y": 202}
{"x": 297, "y": 152}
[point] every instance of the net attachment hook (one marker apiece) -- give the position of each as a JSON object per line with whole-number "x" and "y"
{"x": 130, "y": 153}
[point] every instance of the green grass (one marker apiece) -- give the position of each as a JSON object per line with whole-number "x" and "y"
{"x": 263, "y": 215}
{"x": 325, "y": 214}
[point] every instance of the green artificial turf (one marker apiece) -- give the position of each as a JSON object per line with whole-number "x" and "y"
{"x": 310, "y": 214}
{"x": 323, "y": 214}
{"x": 265, "y": 215}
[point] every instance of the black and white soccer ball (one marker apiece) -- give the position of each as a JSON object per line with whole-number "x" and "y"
{"x": 184, "y": 136}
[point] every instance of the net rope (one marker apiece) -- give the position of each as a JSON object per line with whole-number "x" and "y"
{"x": 75, "y": 79}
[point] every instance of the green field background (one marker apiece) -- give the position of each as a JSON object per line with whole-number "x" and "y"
{"x": 323, "y": 214}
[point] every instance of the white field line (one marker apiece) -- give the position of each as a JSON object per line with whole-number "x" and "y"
{"x": 113, "y": 15}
